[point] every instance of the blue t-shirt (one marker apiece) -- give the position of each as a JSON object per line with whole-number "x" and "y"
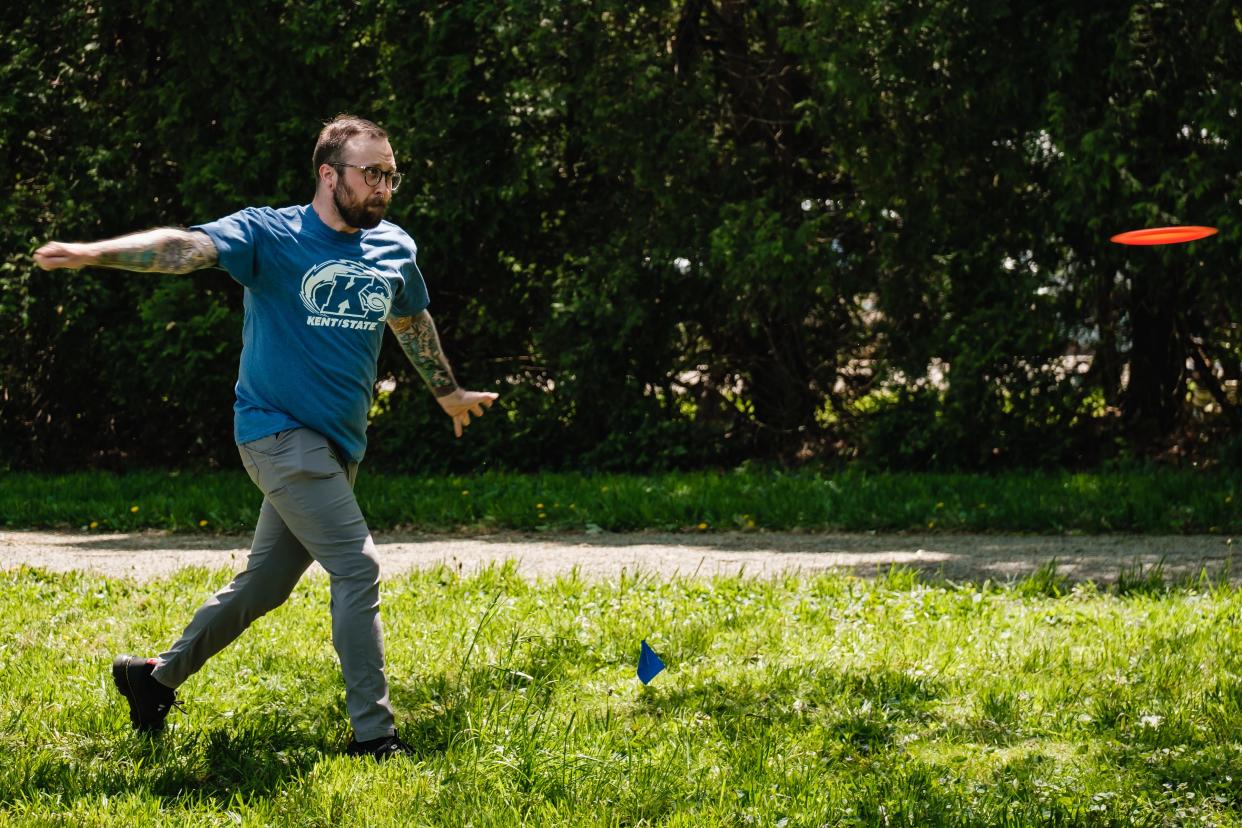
{"x": 316, "y": 303}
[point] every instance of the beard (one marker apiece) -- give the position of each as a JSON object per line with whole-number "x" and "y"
{"x": 363, "y": 215}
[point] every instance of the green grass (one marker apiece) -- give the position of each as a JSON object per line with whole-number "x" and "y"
{"x": 797, "y": 701}
{"x": 1159, "y": 501}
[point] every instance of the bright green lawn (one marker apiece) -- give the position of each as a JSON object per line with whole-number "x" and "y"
{"x": 798, "y": 702}
{"x": 1166, "y": 501}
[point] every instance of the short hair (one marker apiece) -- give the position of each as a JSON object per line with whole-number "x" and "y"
{"x": 337, "y": 132}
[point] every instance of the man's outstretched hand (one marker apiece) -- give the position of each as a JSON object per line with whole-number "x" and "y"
{"x": 55, "y": 255}
{"x": 460, "y": 404}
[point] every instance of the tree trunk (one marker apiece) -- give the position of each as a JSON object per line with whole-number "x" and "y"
{"x": 1157, "y": 359}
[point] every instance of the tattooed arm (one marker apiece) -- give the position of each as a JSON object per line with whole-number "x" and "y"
{"x": 418, "y": 338}
{"x": 162, "y": 250}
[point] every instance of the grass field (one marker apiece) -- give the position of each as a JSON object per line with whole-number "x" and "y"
{"x": 789, "y": 702}
{"x": 1167, "y": 501}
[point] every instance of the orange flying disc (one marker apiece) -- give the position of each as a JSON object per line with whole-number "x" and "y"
{"x": 1164, "y": 235}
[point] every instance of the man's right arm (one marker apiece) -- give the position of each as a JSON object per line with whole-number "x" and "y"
{"x": 162, "y": 250}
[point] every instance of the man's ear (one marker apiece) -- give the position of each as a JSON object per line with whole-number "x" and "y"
{"x": 327, "y": 174}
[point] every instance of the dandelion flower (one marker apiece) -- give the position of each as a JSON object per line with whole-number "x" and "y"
{"x": 133, "y": 508}
{"x": 202, "y": 523}
{"x": 94, "y": 524}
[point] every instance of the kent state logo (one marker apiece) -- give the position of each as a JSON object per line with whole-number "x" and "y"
{"x": 343, "y": 293}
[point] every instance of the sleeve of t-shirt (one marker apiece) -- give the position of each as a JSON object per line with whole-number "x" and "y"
{"x": 236, "y": 239}
{"x": 412, "y": 298}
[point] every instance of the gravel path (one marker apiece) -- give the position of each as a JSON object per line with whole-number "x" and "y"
{"x": 148, "y": 555}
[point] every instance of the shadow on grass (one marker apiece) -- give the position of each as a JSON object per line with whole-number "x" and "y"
{"x": 256, "y": 758}
{"x": 435, "y": 712}
{"x": 865, "y": 709}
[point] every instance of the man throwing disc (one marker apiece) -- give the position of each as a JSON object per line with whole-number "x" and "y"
{"x": 320, "y": 282}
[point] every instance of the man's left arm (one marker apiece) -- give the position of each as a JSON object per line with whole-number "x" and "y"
{"x": 418, "y": 338}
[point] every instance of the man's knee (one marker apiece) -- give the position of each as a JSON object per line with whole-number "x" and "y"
{"x": 360, "y": 570}
{"x": 368, "y": 564}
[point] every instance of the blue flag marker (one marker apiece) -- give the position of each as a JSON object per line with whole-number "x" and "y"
{"x": 649, "y": 664}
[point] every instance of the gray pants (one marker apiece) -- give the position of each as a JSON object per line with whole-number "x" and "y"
{"x": 309, "y": 514}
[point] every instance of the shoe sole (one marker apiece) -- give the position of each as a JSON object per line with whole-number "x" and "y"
{"x": 379, "y": 754}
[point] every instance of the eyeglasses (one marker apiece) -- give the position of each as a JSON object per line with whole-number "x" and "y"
{"x": 372, "y": 175}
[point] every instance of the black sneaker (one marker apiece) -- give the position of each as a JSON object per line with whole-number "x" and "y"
{"x": 149, "y": 701}
{"x": 382, "y": 748}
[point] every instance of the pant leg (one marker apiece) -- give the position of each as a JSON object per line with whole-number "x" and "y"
{"x": 276, "y": 563}
{"x": 310, "y": 485}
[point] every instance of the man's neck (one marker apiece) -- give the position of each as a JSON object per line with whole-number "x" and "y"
{"x": 329, "y": 215}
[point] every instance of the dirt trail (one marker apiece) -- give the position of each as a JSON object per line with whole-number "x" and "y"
{"x": 150, "y": 555}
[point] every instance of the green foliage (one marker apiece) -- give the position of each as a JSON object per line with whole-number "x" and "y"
{"x": 672, "y": 235}
{"x": 1164, "y": 502}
